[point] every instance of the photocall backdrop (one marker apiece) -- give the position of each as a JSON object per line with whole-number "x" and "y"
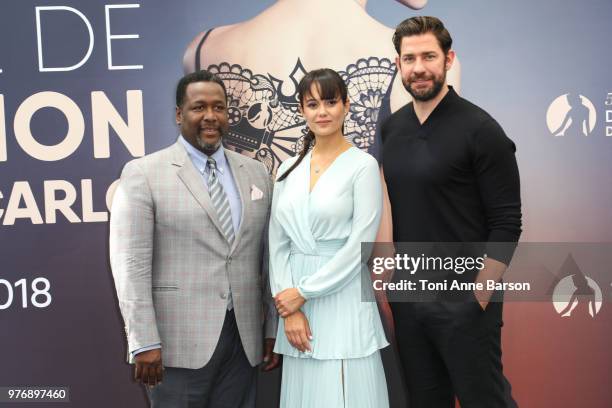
{"x": 87, "y": 86}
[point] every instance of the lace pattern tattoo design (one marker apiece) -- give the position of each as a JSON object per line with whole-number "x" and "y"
{"x": 266, "y": 124}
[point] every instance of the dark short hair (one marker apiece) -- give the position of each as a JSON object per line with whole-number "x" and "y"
{"x": 422, "y": 25}
{"x": 328, "y": 82}
{"x": 198, "y": 76}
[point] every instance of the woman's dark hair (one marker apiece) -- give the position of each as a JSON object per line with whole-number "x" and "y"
{"x": 330, "y": 85}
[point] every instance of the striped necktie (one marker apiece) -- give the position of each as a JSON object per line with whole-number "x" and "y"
{"x": 220, "y": 201}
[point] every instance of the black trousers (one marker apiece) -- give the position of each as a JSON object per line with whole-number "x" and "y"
{"x": 226, "y": 381}
{"x": 450, "y": 349}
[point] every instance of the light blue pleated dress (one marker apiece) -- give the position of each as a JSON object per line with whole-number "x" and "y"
{"x": 315, "y": 246}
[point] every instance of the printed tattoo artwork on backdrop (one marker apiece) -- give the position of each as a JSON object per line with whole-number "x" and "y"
{"x": 266, "y": 124}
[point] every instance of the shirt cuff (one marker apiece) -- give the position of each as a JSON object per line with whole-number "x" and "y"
{"x": 146, "y": 348}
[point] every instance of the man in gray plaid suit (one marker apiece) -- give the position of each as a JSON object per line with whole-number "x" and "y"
{"x": 187, "y": 247}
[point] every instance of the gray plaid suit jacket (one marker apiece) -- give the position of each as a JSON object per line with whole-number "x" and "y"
{"x": 173, "y": 267}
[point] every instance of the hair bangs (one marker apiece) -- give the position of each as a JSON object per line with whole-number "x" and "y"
{"x": 328, "y": 83}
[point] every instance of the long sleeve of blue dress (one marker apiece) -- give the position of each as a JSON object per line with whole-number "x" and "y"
{"x": 279, "y": 244}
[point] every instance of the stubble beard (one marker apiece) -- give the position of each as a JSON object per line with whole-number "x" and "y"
{"x": 209, "y": 148}
{"x": 428, "y": 94}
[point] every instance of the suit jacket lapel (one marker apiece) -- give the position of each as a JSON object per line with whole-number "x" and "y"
{"x": 242, "y": 182}
{"x": 192, "y": 179}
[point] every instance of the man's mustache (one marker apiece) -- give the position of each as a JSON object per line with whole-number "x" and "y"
{"x": 420, "y": 77}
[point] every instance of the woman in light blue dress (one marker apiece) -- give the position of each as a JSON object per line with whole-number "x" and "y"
{"x": 327, "y": 201}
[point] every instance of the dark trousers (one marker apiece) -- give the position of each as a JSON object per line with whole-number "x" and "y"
{"x": 226, "y": 381}
{"x": 450, "y": 349}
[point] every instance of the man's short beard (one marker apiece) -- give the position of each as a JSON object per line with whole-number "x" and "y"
{"x": 431, "y": 93}
{"x": 209, "y": 148}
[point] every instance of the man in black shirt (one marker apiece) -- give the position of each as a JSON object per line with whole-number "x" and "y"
{"x": 452, "y": 176}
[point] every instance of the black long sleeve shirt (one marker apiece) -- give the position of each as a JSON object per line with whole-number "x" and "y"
{"x": 453, "y": 178}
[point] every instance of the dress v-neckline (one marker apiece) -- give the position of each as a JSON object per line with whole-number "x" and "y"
{"x": 310, "y": 190}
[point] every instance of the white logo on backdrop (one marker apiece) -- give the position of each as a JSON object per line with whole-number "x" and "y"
{"x": 571, "y": 114}
{"x": 577, "y": 295}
